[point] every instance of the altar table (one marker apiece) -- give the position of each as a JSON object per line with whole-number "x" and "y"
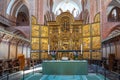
{"x": 75, "y": 67}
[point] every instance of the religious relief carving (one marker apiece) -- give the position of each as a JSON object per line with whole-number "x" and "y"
{"x": 65, "y": 47}
{"x": 96, "y": 55}
{"x": 54, "y": 38}
{"x": 86, "y": 55}
{"x": 35, "y": 55}
{"x": 65, "y": 25}
{"x": 35, "y": 43}
{"x": 86, "y": 43}
{"x": 65, "y": 44}
{"x": 44, "y": 55}
{"x": 66, "y": 34}
{"x": 54, "y": 30}
{"x": 44, "y": 30}
{"x": 97, "y": 44}
{"x": 77, "y": 36}
{"x": 44, "y": 44}
{"x": 86, "y": 30}
{"x": 35, "y": 30}
{"x": 96, "y": 29}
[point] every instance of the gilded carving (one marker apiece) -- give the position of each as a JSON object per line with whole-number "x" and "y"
{"x": 35, "y": 55}
{"x": 44, "y": 55}
{"x": 44, "y": 43}
{"x": 95, "y": 29}
{"x": 97, "y": 18}
{"x": 34, "y": 20}
{"x": 96, "y": 55}
{"x": 97, "y": 42}
{"x": 44, "y": 31}
{"x": 86, "y": 43}
{"x": 86, "y": 55}
{"x": 65, "y": 24}
{"x": 86, "y": 30}
{"x": 35, "y": 44}
{"x": 67, "y": 34}
{"x": 35, "y": 30}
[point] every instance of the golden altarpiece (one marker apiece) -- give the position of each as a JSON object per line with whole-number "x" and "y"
{"x": 66, "y": 36}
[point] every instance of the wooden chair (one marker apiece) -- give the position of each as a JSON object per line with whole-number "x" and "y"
{"x": 1, "y": 67}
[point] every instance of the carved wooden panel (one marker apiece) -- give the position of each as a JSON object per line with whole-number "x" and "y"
{"x": 86, "y": 55}
{"x": 96, "y": 55}
{"x": 44, "y": 43}
{"x": 35, "y": 44}
{"x": 86, "y": 43}
{"x": 86, "y": 30}
{"x": 44, "y": 31}
{"x": 65, "y": 34}
{"x": 44, "y": 55}
{"x": 96, "y": 43}
{"x": 35, "y": 55}
{"x": 35, "y": 30}
{"x": 96, "y": 29}
{"x": 34, "y": 20}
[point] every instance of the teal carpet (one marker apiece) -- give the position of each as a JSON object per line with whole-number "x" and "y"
{"x": 73, "y": 77}
{"x": 38, "y": 76}
{"x": 35, "y": 76}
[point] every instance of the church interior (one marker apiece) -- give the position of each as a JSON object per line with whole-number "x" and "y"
{"x": 59, "y": 39}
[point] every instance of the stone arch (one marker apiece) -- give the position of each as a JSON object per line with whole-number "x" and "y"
{"x": 116, "y": 27}
{"x": 114, "y": 16}
{"x": 16, "y": 7}
{"x": 23, "y": 16}
{"x": 111, "y": 4}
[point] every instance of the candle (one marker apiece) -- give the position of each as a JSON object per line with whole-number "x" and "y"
{"x": 48, "y": 49}
{"x": 81, "y": 48}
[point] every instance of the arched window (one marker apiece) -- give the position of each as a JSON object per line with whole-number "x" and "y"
{"x": 114, "y": 15}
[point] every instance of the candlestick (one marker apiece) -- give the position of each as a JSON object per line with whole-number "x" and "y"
{"x": 81, "y": 48}
{"x": 48, "y": 49}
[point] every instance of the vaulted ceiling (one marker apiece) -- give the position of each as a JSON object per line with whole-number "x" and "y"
{"x": 112, "y": 4}
{"x": 73, "y": 6}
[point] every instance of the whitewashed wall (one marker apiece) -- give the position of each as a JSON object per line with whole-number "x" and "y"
{"x": 12, "y": 51}
{"x": 3, "y": 50}
{"x": 24, "y": 51}
{"x": 19, "y": 49}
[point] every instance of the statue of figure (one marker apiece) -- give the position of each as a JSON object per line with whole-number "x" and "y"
{"x": 73, "y": 11}
{"x": 66, "y": 25}
{"x": 60, "y": 10}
